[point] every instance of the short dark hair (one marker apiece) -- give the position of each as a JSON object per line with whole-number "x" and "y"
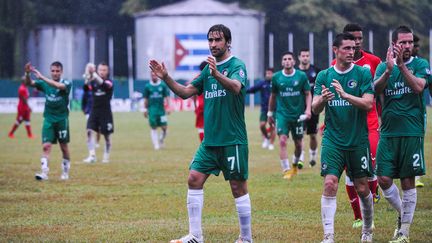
{"x": 302, "y": 50}
{"x": 287, "y": 53}
{"x": 352, "y": 28}
{"x": 222, "y": 29}
{"x": 57, "y": 64}
{"x": 270, "y": 69}
{"x": 202, "y": 65}
{"x": 416, "y": 39}
{"x": 337, "y": 42}
{"x": 103, "y": 64}
{"x": 400, "y": 30}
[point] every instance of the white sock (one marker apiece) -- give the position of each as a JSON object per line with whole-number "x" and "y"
{"x": 195, "y": 200}
{"x": 285, "y": 165}
{"x": 328, "y": 211}
{"x": 243, "y": 206}
{"x": 312, "y": 154}
{"x": 302, "y": 156}
{"x": 295, "y": 159}
{"x": 367, "y": 210}
{"x": 44, "y": 165}
{"x": 91, "y": 144}
{"x": 409, "y": 201}
{"x": 393, "y": 197}
{"x": 155, "y": 138}
{"x": 66, "y": 166}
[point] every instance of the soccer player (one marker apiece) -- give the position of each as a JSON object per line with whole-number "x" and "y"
{"x": 401, "y": 80}
{"x": 264, "y": 87}
{"x": 311, "y": 124}
{"x": 290, "y": 91}
{"x": 101, "y": 118}
{"x": 225, "y": 147}
{"x": 345, "y": 92}
{"x": 56, "y": 115}
{"x": 87, "y": 98}
{"x": 156, "y": 97}
{"x": 24, "y": 111}
{"x": 370, "y": 61}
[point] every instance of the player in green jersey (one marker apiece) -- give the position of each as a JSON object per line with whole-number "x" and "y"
{"x": 156, "y": 97}
{"x": 401, "y": 80}
{"x": 345, "y": 92}
{"x": 291, "y": 92}
{"x": 56, "y": 123}
{"x": 224, "y": 148}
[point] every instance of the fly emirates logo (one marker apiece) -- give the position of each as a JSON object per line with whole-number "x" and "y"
{"x": 338, "y": 102}
{"x": 399, "y": 89}
{"x": 215, "y": 92}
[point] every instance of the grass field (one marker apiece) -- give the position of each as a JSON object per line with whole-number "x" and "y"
{"x": 141, "y": 195}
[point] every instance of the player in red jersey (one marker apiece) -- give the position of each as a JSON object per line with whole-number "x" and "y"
{"x": 370, "y": 61}
{"x": 199, "y": 109}
{"x": 24, "y": 111}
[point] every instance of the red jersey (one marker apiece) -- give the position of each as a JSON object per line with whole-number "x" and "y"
{"x": 23, "y": 94}
{"x": 371, "y": 62}
{"x": 199, "y": 111}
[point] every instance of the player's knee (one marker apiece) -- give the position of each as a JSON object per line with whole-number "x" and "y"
{"x": 283, "y": 141}
{"x": 385, "y": 182}
{"x": 195, "y": 182}
{"x": 46, "y": 147}
{"x": 330, "y": 185}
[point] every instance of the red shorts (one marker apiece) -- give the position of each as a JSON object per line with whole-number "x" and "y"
{"x": 199, "y": 121}
{"x": 23, "y": 115}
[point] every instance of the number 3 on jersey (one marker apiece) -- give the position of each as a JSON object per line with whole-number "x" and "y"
{"x": 365, "y": 163}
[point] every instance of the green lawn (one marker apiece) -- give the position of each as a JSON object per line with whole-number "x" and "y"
{"x": 141, "y": 194}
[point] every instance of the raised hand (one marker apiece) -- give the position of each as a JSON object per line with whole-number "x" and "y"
{"x": 158, "y": 69}
{"x": 326, "y": 94}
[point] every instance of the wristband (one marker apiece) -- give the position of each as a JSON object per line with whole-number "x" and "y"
{"x": 270, "y": 113}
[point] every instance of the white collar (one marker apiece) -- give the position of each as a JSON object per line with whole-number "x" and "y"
{"x": 288, "y": 75}
{"x": 346, "y": 71}
{"x": 155, "y": 84}
{"x": 224, "y": 61}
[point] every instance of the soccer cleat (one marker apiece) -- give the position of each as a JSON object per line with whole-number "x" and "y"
{"x": 418, "y": 183}
{"x": 366, "y": 237}
{"x": 105, "y": 158}
{"x": 10, "y": 135}
{"x": 328, "y": 238}
{"x": 399, "y": 238}
{"x": 271, "y": 147}
{"x": 64, "y": 176}
{"x": 241, "y": 240}
{"x": 41, "y": 176}
{"x": 290, "y": 173}
{"x": 188, "y": 239}
{"x": 312, "y": 163}
{"x": 90, "y": 159}
{"x": 265, "y": 143}
{"x": 357, "y": 223}
{"x": 377, "y": 196}
{"x": 300, "y": 164}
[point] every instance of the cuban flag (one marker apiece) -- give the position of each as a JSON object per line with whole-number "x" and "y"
{"x": 190, "y": 51}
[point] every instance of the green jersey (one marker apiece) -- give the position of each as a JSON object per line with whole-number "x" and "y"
{"x": 155, "y": 94}
{"x": 345, "y": 124}
{"x": 224, "y": 122}
{"x": 56, "y": 100}
{"x": 290, "y": 93}
{"x": 403, "y": 111}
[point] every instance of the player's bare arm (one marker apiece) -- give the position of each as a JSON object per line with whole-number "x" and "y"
{"x": 50, "y": 82}
{"x": 308, "y": 98}
{"x": 320, "y": 101}
{"x": 183, "y": 91}
{"x": 381, "y": 82}
{"x": 272, "y": 105}
{"x": 365, "y": 102}
{"x": 229, "y": 84}
{"x": 145, "y": 107}
{"x": 28, "y": 68}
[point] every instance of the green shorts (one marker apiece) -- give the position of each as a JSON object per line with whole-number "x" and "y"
{"x": 357, "y": 162}
{"x": 231, "y": 160}
{"x": 263, "y": 116}
{"x": 53, "y": 131}
{"x": 285, "y": 126}
{"x": 158, "y": 120}
{"x": 400, "y": 157}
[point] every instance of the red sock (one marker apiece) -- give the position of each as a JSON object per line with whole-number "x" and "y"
{"x": 373, "y": 186}
{"x": 28, "y": 128}
{"x": 201, "y": 136}
{"x": 354, "y": 200}
{"x": 14, "y": 128}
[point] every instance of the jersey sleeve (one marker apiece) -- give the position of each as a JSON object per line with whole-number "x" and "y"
{"x": 274, "y": 88}
{"x": 305, "y": 80}
{"x": 146, "y": 92}
{"x": 423, "y": 70}
{"x": 366, "y": 85}
{"x": 320, "y": 80}
{"x": 68, "y": 85}
{"x": 107, "y": 85}
{"x": 198, "y": 82}
{"x": 239, "y": 74}
{"x": 380, "y": 70}
{"x": 40, "y": 85}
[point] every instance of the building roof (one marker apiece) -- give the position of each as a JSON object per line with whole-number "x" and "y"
{"x": 199, "y": 8}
